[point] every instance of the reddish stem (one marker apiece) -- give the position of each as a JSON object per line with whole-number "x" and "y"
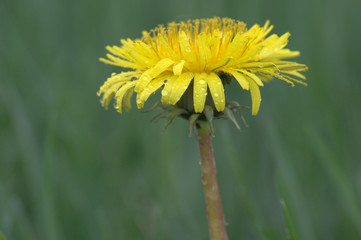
{"x": 216, "y": 223}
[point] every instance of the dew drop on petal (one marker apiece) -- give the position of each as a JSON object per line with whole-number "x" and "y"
{"x": 145, "y": 77}
{"x": 164, "y": 92}
{"x": 216, "y": 94}
{"x": 188, "y": 49}
{"x": 202, "y": 81}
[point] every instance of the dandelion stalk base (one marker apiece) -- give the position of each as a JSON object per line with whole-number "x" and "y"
{"x": 216, "y": 223}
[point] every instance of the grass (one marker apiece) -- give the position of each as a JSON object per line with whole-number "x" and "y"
{"x": 71, "y": 170}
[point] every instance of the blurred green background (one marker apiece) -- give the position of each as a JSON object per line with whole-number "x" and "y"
{"x": 71, "y": 170}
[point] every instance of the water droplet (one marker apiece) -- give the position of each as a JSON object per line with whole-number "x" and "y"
{"x": 216, "y": 95}
{"x": 219, "y": 83}
{"x": 188, "y": 49}
{"x": 222, "y": 101}
{"x": 184, "y": 87}
{"x": 164, "y": 92}
{"x": 145, "y": 77}
{"x": 202, "y": 81}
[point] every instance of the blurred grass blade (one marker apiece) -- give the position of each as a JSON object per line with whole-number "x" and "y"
{"x": 289, "y": 225}
{"x": 2, "y": 236}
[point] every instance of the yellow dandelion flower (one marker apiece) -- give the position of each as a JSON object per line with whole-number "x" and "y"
{"x": 196, "y": 54}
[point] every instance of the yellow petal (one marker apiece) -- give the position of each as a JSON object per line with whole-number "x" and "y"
{"x": 199, "y": 92}
{"x": 296, "y": 74}
{"x": 114, "y": 50}
{"x": 120, "y": 93}
{"x": 186, "y": 48}
{"x": 252, "y": 54}
{"x": 182, "y": 85}
{"x": 149, "y": 89}
{"x": 169, "y": 87}
{"x": 273, "y": 44}
{"x": 253, "y": 77}
{"x": 216, "y": 88}
{"x": 145, "y": 49}
{"x": 177, "y": 68}
{"x": 215, "y": 41}
{"x": 255, "y": 95}
{"x": 166, "y": 48}
{"x": 204, "y": 51}
{"x": 240, "y": 78}
{"x": 236, "y": 45}
{"x": 153, "y": 72}
{"x": 265, "y": 30}
{"x": 122, "y": 77}
{"x": 107, "y": 96}
{"x": 118, "y": 62}
{"x": 225, "y": 43}
{"x": 222, "y": 64}
{"x": 135, "y": 54}
{"x": 127, "y": 99}
{"x": 283, "y": 54}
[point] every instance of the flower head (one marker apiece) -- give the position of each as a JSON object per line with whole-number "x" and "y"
{"x": 199, "y": 54}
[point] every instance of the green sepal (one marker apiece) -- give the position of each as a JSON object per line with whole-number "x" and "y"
{"x": 208, "y": 112}
{"x": 192, "y": 121}
{"x": 230, "y": 115}
{"x": 171, "y": 116}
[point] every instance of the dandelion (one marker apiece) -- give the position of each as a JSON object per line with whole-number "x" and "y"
{"x": 190, "y": 63}
{"x": 200, "y": 54}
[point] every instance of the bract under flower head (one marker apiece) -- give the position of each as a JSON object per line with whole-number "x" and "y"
{"x": 199, "y": 51}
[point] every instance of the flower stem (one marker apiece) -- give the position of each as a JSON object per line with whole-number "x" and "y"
{"x": 216, "y": 223}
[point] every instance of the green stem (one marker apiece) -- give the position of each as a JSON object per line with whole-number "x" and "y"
{"x": 216, "y": 223}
